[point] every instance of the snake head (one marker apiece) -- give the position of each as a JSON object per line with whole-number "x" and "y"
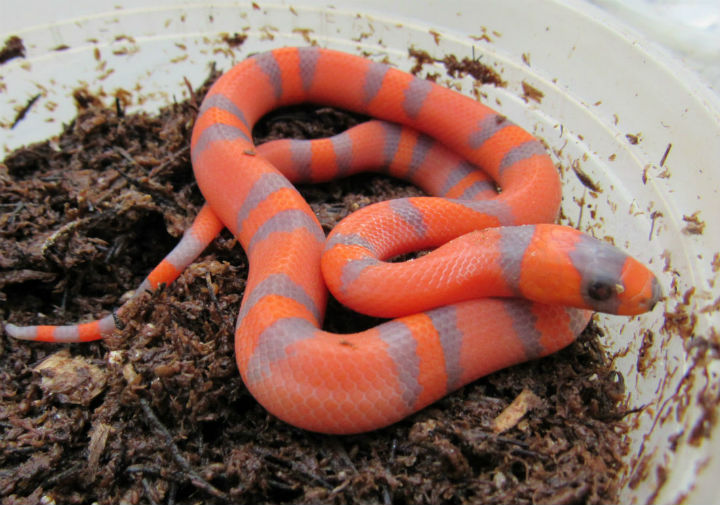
{"x": 634, "y": 291}
{"x": 581, "y": 271}
{"x": 612, "y": 281}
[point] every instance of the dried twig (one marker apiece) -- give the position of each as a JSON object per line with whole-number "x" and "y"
{"x": 194, "y": 478}
{"x": 280, "y": 462}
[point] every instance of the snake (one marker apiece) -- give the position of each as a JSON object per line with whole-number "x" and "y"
{"x": 499, "y": 284}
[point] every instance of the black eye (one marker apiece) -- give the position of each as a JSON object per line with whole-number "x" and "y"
{"x": 601, "y": 291}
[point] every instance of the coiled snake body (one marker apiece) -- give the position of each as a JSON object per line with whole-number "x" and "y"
{"x": 447, "y": 332}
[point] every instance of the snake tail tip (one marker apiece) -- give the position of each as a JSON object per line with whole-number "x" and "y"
{"x": 18, "y": 332}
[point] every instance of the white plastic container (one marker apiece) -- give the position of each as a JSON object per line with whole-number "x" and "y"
{"x": 600, "y": 83}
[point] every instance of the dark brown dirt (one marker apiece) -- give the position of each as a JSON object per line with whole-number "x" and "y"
{"x": 161, "y": 414}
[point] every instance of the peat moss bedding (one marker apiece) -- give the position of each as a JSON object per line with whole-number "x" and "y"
{"x": 159, "y": 414}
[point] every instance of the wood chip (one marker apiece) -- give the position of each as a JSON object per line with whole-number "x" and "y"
{"x": 71, "y": 379}
{"x": 98, "y": 439}
{"x": 513, "y": 413}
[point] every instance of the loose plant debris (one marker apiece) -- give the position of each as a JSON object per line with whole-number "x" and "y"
{"x": 634, "y": 138}
{"x": 584, "y": 178}
{"x": 482, "y": 73}
{"x": 665, "y": 155}
{"x": 694, "y": 226}
{"x": 84, "y": 217}
{"x": 530, "y": 92}
{"x": 22, "y": 112}
{"x": 12, "y": 48}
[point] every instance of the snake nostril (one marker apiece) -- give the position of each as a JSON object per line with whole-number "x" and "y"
{"x": 601, "y": 291}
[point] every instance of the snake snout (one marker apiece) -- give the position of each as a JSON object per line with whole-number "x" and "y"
{"x": 642, "y": 290}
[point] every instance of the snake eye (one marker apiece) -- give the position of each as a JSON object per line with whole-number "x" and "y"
{"x": 601, "y": 291}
